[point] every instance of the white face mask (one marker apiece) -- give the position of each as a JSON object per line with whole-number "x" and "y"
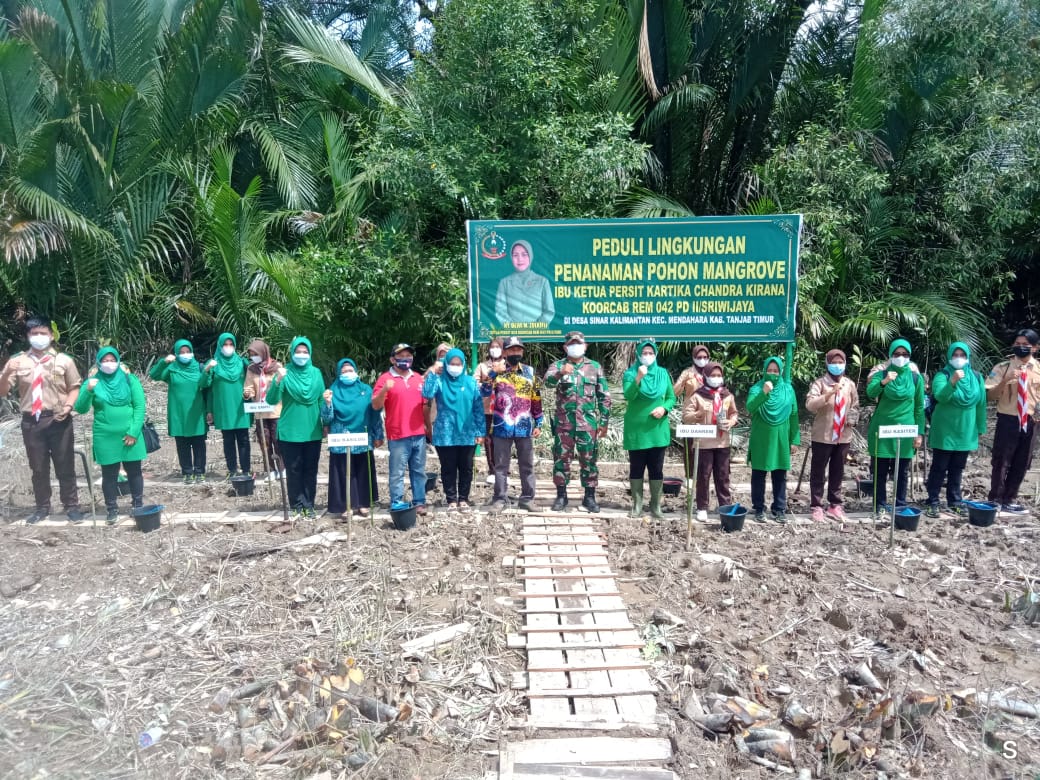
{"x": 700, "y": 362}
{"x": 227, "y": 351}
{"x": 108, "y": 367}
{"x": 575, "y": 350}
{"x": 958, "y": 362}
{"x": 495, "y": 352}
{"x": 713, "y": 381}
{"x": 186, "y": 357}
{"x": 900, "y": 362}
{"x": 255, "y": 359}
{"x": 455, "y": 371}
{"x": 39, "y": 342}
{"x": 648, "y": 360}
{"x": 301, "y": 360}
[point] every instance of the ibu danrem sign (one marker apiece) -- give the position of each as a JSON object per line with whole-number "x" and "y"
{"x": 680, "y": 279}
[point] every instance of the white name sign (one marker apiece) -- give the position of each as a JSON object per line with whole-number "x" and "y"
{"x": 897, "y": 431}
{"x": 696, "y": 431}
{"x": 254, "y": 407}
{"x": 348, "y": 439}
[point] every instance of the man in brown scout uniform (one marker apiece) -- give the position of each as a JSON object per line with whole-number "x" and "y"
{"x": 48, "y": 384}
{"x": 1015, "y": 386}
{"x": 582, "y": 412}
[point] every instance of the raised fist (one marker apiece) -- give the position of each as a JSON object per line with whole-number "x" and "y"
{"x": 92, "y": 384}
{"x": 327, "y": 395}
{"x": 170, "y": 358}
{"x": 767, "y": 388}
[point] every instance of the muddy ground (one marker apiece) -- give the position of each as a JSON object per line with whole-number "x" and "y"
{"x": 105, "y": 633}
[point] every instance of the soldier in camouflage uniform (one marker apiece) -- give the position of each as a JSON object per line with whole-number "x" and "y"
{"x": 582, "y": 412}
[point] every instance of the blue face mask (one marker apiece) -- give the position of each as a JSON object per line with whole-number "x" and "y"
{"x": 836, "y": 369}
{"x": 348, "y": 379}
{"x": 186, "y": 358}
{"x": 301, "y": 360}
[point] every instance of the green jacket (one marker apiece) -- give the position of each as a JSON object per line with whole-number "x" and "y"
{"x": 955, "y": 427}
{"x": 909, "y": 411}
{"x": 226, "y": 402}
{"x": 769, "y": 446}
{"x": 641, "y": 430}
{"x": 185, "y": 405}
{"x": 112, "y": 423}
{"x": 299, "y": 421}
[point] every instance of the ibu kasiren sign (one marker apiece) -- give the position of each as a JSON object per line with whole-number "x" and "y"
{"x": 680, "y": 279}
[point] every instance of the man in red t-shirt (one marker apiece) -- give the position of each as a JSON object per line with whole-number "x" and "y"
{"x": 398, "y": 392}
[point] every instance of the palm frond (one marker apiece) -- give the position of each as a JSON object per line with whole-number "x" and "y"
{"x": 644, "y": 204}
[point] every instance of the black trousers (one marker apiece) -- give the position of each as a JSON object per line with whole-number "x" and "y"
{"x": 191, "y": 453}
{"x": 236, "y": 449}
{"x": 1012, "y": 457}
{"x": 949, "y": 464}
{"x": 828, "y": 465}
{"x": 456, "y": 472}
{"x": 651, "y": 460}
{"x": 363, "y": 488}
{"x": 49, "y": 440}
{"x": 301, "y": 471}
{"x": 885, "y": 467}
{"x": 110, "y": 476}
{"x": 778, "y": 477}
{"x": 713, "y": 462}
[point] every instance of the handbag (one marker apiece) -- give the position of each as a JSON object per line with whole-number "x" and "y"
{"x": 151, "y": 437}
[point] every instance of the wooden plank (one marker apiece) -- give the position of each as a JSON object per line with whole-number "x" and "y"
{"x": 605, "y": 576}
{"x": 506, "y": 763}
{"x": 577, "y": 724}
{"x": 590, "y": 750}
{"x": 575, "y": 667}
{"x": 572, "y": 629}
{"x": 548, "y": 707}
{"x": 592, "y": 644}
{"x": 568, "y": 610}
{"x": 572, "y": 772}
{"x": 565, "y": 594}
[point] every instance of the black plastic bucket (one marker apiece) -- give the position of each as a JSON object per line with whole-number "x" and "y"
{"x": 403, "y": 519}
{"x": 122, "y": 487}
{"x": 243, "y": 484}
{"x": 147, "y": 518}
{"x": 431, "y": 480}
{"x": 907, "y": 518}
{"x": 672, "y": 486}
{"x": 982, "y": 513}
{"x": 865, "y": 487}
{"x": 732, "y": 517}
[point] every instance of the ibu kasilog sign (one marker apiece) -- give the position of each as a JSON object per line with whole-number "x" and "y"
{"x": 677, "y": 279}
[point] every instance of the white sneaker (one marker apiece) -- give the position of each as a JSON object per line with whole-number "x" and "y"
{"x": 490, "y": 479}
{"x": 702, "y": 515}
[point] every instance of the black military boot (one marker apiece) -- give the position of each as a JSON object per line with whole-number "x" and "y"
{"x": 560, "y": 503}
{"x": 589, "y": 502}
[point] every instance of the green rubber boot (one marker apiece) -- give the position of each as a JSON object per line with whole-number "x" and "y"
{"x": 656, "y": 490}
{"x": 637, "y": 497}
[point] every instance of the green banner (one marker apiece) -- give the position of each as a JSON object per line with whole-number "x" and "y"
{"x": 676, "y": 279}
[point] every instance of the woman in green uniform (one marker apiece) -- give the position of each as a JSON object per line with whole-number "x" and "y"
{"x": 185, "y": 408}
{"x": 773, "y": 438}
{"x": 649, "y": 396}
{"x": 299, "y": 387}
{"x": 117, "y": 399}
{"x": 225, "y": 375}
{"x": 900, "y": 401}
{"x": 958, "y": 419}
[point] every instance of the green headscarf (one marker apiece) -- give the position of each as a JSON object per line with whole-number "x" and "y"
{"x": 966, "y": 391}
{"x": 656, "y": 381}
{"x": 112, "y": 388}
{"x": 902, "y": 387}
{"x": 303, "y": 384}
{"x": 231, "y": 368}
{"x": 189, "y": 370}
{"x": 457, "y": 393}
{"x": 778, "y": 404}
